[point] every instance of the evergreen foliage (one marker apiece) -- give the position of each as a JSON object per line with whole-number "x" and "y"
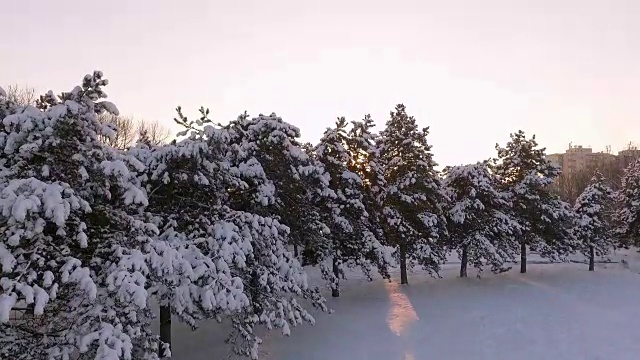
{"x": 224, "y": 261}
{"x": 351, "y": 241}
{"x": 627, "y": 215}
{"x": 526, "y": 175}
{"x": 364, "y": 160}
{"x": 209, "y": 226}
{"x": 70, "y": 249}
{"x": 593, "y": 219}
{"x": 481, "y": 227}
{"x": 413, "y": 196}
{"x": 300, "y": 183}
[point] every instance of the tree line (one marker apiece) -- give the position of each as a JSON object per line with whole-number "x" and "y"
{"x": 218, "y": 223}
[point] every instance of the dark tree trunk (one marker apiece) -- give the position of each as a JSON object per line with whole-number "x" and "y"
{"x": 463, "y": 261}
{"x": 295, "y": 250}
{"x": 592, "y": 258}
{"x": 335, "y": 291}
{"x": 403, "y": 265}
{"x": 523, "y": 256}
{"x": 165, "y": 329}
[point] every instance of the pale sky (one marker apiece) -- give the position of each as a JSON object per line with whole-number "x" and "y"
{"x": 474, "y": 71}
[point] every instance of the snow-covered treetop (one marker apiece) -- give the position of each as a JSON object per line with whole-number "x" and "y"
{"x": 365, "y": 155}
{"x": 522, "y": 161}
{"x": 208, "y": 159}
{"x": 268, "y": 131}
{"x": 595, "y": 197}
{"x": 82, "y": 101}
{"x": 332, "y": 145}
{"x": 402, "y": 136}
{"x": 407, "y": 160}
{"x": 3, "y": 93}
{"x": 333, "y": 154}
{"x": 362, "y": 129}
{"x": 274, "y": 143}
{"x": 473, "y": 189}
{"x": 522, "y": 167}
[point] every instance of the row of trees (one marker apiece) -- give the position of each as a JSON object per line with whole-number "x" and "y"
{"x": 519, "y": 195}
{"x": 213, "y": 225}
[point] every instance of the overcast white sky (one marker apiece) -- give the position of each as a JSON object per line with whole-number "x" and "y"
{"x": 566, "y": 70}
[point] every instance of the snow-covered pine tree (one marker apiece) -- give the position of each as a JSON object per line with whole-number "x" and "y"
{"x": 365, "y": 162}
{"x": 546, "y": 221}
{"x": 364, "y": 156}
{"x": 627, "y": 215}
{"x": 301, "y": 184}
{"x": 413, "y": 197}
{"x": 226, "y": 262}
{"x": 594, "y": 230}
{"x": 351, "y": 243}
{"x": 481, "y": 228}
{"x": 69, "y": 244}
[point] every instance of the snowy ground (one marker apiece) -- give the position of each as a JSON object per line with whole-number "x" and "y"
{"x": 556, "y": 311}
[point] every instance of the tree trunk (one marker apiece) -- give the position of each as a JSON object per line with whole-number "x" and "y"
{"x": 523, "y": 256}
{"x": 335, "y": 291}
{"x": 403, "y": 264}
{"x": 295, "y": 251}
{"x": 463, "y": 261}
{"x": 165, "y": 329}
{"x": 592, "y": 258}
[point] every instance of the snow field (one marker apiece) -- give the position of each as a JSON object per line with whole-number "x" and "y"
{"x": 555, "y": 311}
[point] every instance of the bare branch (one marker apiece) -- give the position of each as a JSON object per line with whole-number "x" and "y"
{"x": 128, "y": 131}
{"x": 153, "y": 132}
{"x": 21, "y": 95}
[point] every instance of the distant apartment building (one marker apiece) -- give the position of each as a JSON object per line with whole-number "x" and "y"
{"x": 626, "y": 157}
{"x": 576, "y": 158}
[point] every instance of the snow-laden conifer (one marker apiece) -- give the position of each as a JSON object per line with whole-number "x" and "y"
{"x": 481, "y": 227}
{"x": 627, "y": 214}
{"x": 225, "y": 260}
{"x": 351, "y": 240}
{"x": 365, "y": 161}
{"x": 546, "y": 221}
{"x": 70, "y": 247}
{"x": 413, "y": 196}
{"x": 593, "y": 219}
{"x": 300, "y": 182}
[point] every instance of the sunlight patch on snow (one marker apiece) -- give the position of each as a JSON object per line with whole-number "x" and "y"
{"x": 538, "y": 284}
{"x": 401, "y": 314}
{"x": 408, "y": 356}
